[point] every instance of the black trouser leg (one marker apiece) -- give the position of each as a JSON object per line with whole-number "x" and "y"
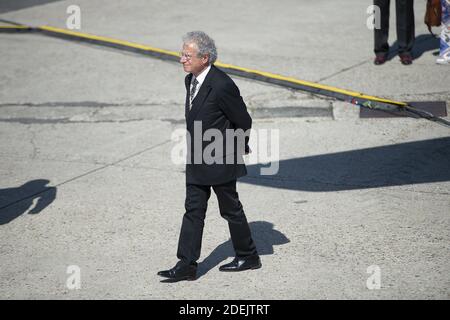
{"x": 231, "y": 210}
{"x": 190, "y": 241}
{"x": 405, "y": 25}
{"x": 382, "y": 34}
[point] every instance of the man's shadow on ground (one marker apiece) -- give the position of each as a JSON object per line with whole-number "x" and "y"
{"x": 422, "y": 44}
{"x": 264, "y": 235}
{"x": 16, "y": 201}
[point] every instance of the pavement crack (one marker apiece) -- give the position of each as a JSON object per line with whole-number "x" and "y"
{"x": 343, "y": 70}
{"x": 98, "y": 163}
{"x": 35, "y": 150}
{"x": 88, "y": 173}
{"x": 113, "y": 163}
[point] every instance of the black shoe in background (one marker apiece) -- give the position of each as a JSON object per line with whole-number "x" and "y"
{"x": 406, "y": 59}
{"x": 380, "y": 59}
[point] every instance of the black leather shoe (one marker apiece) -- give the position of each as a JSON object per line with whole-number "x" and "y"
{"x": 241, "y": 264}
{"x": 179, "y": 273}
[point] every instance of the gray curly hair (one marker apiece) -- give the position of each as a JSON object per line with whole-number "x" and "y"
{"x": 205, "y": 44}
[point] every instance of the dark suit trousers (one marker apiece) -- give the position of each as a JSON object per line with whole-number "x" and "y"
{"x": 189, "y": 244}
{"x": 405, "y": 26}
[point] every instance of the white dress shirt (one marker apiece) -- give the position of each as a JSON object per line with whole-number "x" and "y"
{"x": 200, "y": 78}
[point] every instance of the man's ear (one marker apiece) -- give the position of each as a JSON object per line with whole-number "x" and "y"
{"x": 205, "y": 58}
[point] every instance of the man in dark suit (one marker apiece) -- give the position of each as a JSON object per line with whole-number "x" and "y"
{"x": 405, "y": 31}
{"x": 214, "y": 108}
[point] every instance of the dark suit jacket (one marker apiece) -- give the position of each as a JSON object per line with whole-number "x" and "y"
{"x": 217, "y": 105}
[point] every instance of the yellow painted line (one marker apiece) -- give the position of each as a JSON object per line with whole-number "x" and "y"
{"x": 310, "y": 84}
{"x": 109, "y": 40}
{"x": 224, "y": 65}
{"x": 14, "y": 27}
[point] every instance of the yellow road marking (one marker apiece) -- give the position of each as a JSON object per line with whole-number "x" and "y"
{"x": 14, "y": 27}
{"x": 110, "y": 40}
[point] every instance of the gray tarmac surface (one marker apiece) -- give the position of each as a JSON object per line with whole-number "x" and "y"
{"x": 90, "y": 128}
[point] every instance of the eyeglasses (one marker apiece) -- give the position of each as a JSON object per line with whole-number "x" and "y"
{"x": 185, "y": 56}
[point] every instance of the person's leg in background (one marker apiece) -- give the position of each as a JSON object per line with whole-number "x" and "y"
{"x": 381, "y": 35}
{"x": 405, "y": 29}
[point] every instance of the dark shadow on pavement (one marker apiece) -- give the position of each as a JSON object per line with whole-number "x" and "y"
{"x": 16, "y": 201}
{"x": 264, "y": 235}
{"x": 393, "y": 165}
{"x": 422, "y": 44}
{"x": 14, "y": 5}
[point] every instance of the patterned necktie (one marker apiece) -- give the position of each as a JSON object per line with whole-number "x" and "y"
{"x": 191, "y": 96}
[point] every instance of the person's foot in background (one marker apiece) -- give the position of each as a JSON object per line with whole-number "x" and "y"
{"x": 406, "y": 59}
{"x": 380, "y": 59}
{"x": 445, "y": 59}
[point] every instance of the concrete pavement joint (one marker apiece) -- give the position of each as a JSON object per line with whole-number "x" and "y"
{"x": 65, "y": 121}
{"x": 52, "y": 160}
{"x": 343, "y": 70}
{"x": 174, "y": 121}
{"x": 95, "y": 163}
{"x": 89, "y": 104}
{"x": 261, "y": 113}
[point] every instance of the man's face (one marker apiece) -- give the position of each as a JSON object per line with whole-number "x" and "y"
{"x": 192, "y": 63}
